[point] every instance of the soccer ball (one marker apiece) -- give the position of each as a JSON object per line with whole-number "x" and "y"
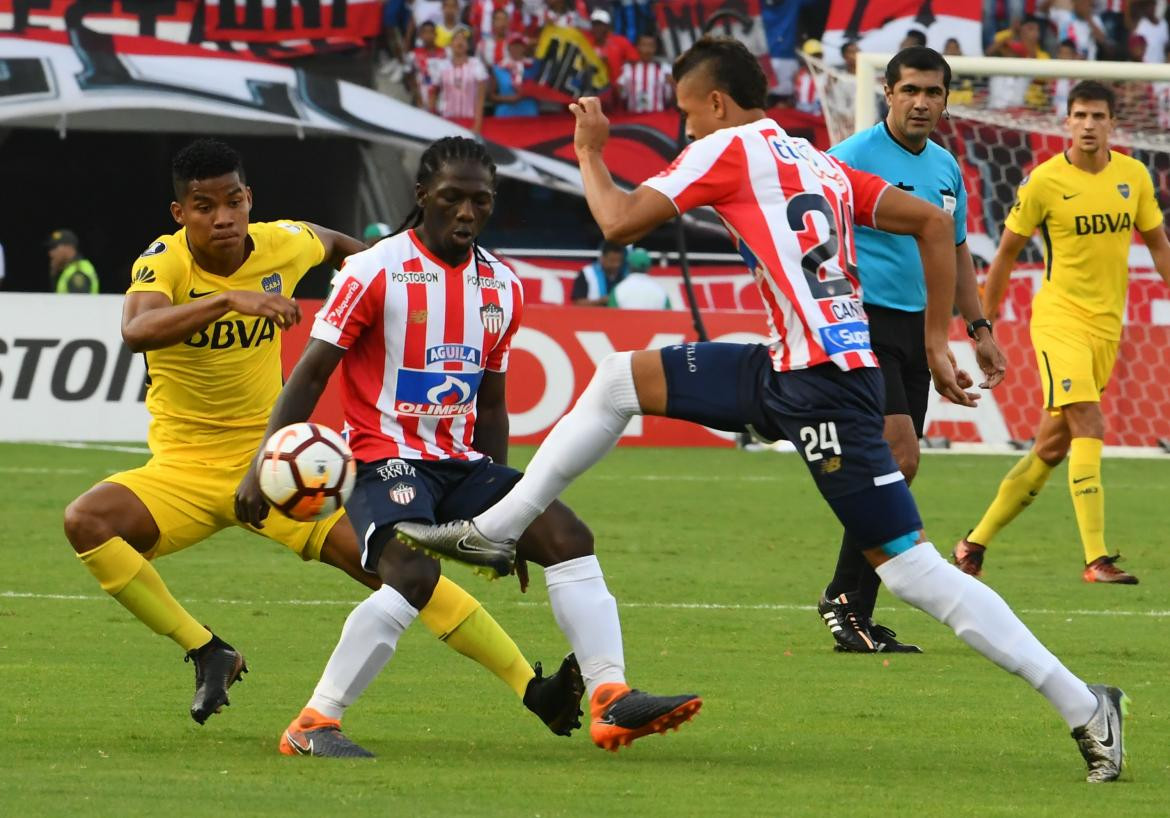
{"x": 307, "y": 471}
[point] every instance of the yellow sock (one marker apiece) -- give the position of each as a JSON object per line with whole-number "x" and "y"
{"x": 1017, "y": 491}
{"x": 125, "y": 575}
{"x": 458, "y": 619}
{"x": 1088, "y": 496}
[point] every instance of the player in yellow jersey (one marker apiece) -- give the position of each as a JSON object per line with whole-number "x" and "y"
{"x": 1086, "y": 202}
{"x": 205, "y": 306}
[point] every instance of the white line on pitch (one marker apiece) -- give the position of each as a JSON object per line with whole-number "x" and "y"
{"x": 97, "y": 447}
{"x": 676, "y": 606}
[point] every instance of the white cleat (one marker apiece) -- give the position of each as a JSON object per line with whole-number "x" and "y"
{"x": 1100, "y": 740}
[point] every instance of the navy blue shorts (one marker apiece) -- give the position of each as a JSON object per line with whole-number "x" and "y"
{"x": 387, "y": 492}
{"x": 833, "y": 418}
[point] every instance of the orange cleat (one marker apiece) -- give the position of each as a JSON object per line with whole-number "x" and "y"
{"x": 1103, "y": 569}
{"x": 621, "y": 715}
{"x": 312, "y": 734}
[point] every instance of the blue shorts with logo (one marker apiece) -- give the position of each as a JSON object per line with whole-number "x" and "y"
{"x": 387, "y": 492}
{"x": 833, "y": 418}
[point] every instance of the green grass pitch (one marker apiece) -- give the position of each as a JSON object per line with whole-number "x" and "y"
{"x": 716, "y": 557}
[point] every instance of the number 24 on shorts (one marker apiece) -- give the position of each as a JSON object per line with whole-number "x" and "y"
{"x": 822, "y": 437}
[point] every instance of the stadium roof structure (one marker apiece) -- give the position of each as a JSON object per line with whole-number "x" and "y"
{"x": 92, "y": 81}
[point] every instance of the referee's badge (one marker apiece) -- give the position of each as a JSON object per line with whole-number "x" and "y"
{"x": 1123, "y": 189}
{"x": 402, "y": 493}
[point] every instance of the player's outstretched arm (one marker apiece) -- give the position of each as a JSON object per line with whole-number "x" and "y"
{"x": 1000, "y": 271}
{"x": 338, "y": 246}
{"x": 1159, "y": 247}
{"x": 934, "y": 230}
{"x": 296, "y": 402}
{"x": 623, "y": 217}
{"x": 151, "y": 321}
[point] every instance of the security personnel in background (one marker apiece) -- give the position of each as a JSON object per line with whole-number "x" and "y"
{"x": 69, "y": 272}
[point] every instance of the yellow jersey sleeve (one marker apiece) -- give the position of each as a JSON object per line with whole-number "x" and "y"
{"x": 162, "y": 268}
{"x": 1031, "y": 207}
{"x": 1149, "y": 214}
{"x": 299, "y": 242}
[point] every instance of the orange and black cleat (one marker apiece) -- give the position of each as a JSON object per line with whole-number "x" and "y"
{"x": 312, "y": 734}
{"x": 621, "y": 715}
{"x": 1104, "y": 569}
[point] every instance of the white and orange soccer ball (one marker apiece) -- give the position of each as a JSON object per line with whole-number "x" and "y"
{"x": 307, "y": 472}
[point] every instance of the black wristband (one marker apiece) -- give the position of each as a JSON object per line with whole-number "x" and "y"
{"x": 976, "y": 324}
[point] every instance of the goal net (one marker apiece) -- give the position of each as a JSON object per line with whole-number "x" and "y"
{"x": 1007, "y": 115}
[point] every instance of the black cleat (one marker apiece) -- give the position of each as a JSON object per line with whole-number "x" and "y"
{"x": 217, "y": 667}
{"x": 886, "y": 643}
{"x": 556, "y": 699}
{"x": 847, "y": 625}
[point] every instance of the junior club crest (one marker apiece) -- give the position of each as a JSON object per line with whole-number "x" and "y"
{"x": 402, "y": 493}
{"x": 1066, "y": 384}
{"x": 272, "y": 283}
{"x": 492, "y": 316}
{"x": 1123, "y": 189}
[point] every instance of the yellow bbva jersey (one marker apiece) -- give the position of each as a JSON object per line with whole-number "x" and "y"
{"x": 210, "y": 395}
{"x": 1087, "y": 222}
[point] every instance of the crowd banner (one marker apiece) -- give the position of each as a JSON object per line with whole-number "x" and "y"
{"x": 880, "y": 25}
{"x": 274, "y": 30}
{"x": 567, "y": 67}
{"x": 92, "y": 80}
{"x": 66, "y": 375}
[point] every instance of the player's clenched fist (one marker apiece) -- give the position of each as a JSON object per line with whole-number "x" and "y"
{"x": 284, "y": 311}
{"x": 592, "y": 130}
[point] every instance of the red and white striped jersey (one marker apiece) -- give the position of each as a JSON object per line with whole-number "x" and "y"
{"x": 492, "y": 50}
{"x": 806, "y": 93}
{"x": 458, "y": 87}
{"x": 645, "y": 86}
{"x": 791, "y": 211}
{"x": 418, "y": 337}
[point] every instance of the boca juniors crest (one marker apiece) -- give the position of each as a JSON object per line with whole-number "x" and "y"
{"x": 492, "y": 316}
{"x": 1123, "y": 189}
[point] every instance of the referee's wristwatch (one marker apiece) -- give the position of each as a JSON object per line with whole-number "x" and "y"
{"x": 976, "y": 324}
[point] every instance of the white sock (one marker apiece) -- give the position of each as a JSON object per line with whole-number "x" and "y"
{"x": 588, "y": 616}
{"x": 984, "y": 621}
{"x": 367, "y": 642}
{"x": 580, "y": 439}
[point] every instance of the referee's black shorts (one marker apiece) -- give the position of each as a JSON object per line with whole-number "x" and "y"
{"x": 898, "y": 340}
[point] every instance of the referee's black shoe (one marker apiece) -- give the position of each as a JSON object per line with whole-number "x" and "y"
{"x": 856, "y": 633}
{"x": 217, "y": 667}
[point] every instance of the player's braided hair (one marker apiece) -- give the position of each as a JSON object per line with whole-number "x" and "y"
{"x": 441, "y": 151}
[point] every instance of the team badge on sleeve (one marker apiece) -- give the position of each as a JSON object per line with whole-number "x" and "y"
{"x": 154, "y": 249}
{"x": 402, "y": 493}
{"x": 492, "y": 316}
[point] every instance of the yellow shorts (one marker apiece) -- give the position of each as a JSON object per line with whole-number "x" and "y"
{"x": 190, "y": 501}
{"x": 1074, "y": 365}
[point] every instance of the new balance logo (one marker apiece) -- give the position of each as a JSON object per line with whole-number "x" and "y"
{"x": 143, "y": 275}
